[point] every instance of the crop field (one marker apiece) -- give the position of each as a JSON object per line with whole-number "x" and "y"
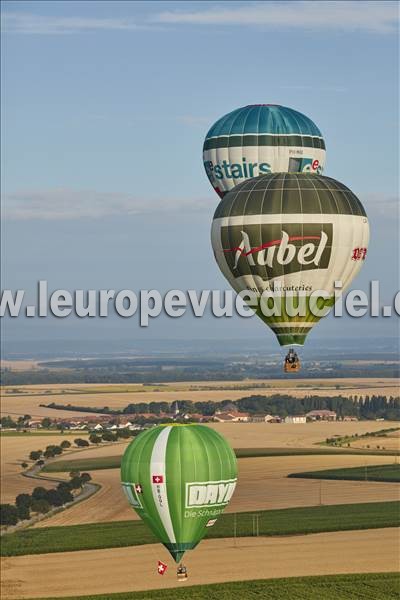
{"x": 14, "y": 450}
{"x": 263, "y": 484}
{"x": 20, "y": 400}
{"x": 293, "y": 521}
{"x": 379, "y": 586}
{"x": 370, "y": 473}
{"x": 112, "y": 570}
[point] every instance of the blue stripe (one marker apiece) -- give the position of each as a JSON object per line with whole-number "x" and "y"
{"x": 264, "y": 118}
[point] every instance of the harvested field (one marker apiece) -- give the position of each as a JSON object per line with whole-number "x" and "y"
{"x": 15, "y": 450}
{"x": 292, "y": 435}
{"x": 214, "y": 561}
{"x": 262, "y": 484}
{"x": 118, "y": 396}
{"x": 390, "y": 441}
{"x": 380, "y": 586}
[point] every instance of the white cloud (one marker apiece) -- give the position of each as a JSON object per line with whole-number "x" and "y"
{"x": 63, "y": 204}
{"x": 379, "y": 17}
{"x": 40, "y": 24}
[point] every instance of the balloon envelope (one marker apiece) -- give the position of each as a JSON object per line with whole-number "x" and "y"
{"x": 283, "y": 237}
{"x": 259, "y": 139}
{"x": 179, "y": 478}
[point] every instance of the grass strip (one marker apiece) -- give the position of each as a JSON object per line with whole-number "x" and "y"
{"x": 379, "y": 586}
{"x": 367, "y": 473}
{"x": 289, "y": 521}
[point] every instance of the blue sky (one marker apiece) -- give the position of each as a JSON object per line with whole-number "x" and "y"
{"x": 104, "y": 109}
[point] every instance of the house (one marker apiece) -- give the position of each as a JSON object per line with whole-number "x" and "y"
{"x": 35, "y": 424}
{"x": 296, "y": 419}
{"x": 321, "y": 415}
{"x": 231, "y": 417}
{"x": 265, "y": 419}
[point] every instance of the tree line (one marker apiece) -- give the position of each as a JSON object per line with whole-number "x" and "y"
{"x": 42, "y": 500}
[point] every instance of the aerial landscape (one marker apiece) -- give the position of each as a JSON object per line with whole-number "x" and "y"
{"x": 200, "y": 334}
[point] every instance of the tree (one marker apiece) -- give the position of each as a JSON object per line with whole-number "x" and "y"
{"x": 46, "y": 423}
{"x": 40, "y": 506}
{"x": 64, "y": 486}
{"x": 40, "y": 463}
{"x": 65, "y": 444}
{"x": 108, "y": 436}
{"x": 94, "y": 439}
{"x": 39, "y": 493}
{"x": 8, "y": 514}
{"x": 8, "y": 423}
{"x": 23, "y": 500}
{"x": 54, "y": 497}
{"x": 76, "y": 483}
{"x": 65, "y": 495}
{"x": 81, "y": 443}
{"x": 35, "y": 454}
{"x": 23, "y": 512}
{"x": 24, "y": 465}
{"x": 85, "y": 477}
{"x": 124, "y": 433}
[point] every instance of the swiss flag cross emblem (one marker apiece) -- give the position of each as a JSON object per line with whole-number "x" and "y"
{"x": 138, "y": 488}
{"x": 158, "y": 479}
{"x": 162, "y": 567}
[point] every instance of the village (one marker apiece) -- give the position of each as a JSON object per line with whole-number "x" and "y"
{"x": 141, "y": 421}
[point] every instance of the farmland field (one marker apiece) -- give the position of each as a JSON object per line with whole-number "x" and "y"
{"x": 214, "y": 561}
{"x": 379, "y": 586}
{"x": 262, "y": 485}
{"x": 370, "y": 473}
{"x": 14, "y": 450}
{"x": 290, "y": 521}
{"x": 27, "y": 399}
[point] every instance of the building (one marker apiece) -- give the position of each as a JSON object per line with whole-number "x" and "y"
{"x": 321, "y": 415}
{"x": 265, "y": 419}
{"x": 296, "y": 419}
{"x": 231, "y": 417}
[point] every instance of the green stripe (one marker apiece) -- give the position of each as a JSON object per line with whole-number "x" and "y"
{"x": 235, "y": 141}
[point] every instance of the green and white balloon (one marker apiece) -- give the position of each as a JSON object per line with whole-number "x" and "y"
{"x": 179, "y": 479}
{"x": 290, "y": 234}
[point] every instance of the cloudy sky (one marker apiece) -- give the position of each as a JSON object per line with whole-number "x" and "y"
{"x": 104, "y": 109}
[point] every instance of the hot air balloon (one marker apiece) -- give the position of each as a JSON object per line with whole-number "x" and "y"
{"x": 260, "y": 139}
{"x": 283, "y": 237}
{"x": 179, "y": 479}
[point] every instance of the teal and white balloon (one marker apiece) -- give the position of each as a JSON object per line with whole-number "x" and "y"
{"x": 260, "y": 139}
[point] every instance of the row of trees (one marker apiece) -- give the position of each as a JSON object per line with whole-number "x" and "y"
{"x": 42, "y": 500}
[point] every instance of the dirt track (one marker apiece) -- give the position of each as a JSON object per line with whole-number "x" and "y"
{"x": 134, "y": 568}
{"x": 262, "y": 485}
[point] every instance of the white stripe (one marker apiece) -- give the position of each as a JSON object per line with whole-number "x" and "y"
{"x": 231, "y": 135}
{"x": 157, "y": 467}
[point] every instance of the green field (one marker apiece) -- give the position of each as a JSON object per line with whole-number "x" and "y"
{"x": 365, "y": 586}
{"x": 367, "y": 473}
{"x": 114, "y": 462}
{"x": 289, "y": 521}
